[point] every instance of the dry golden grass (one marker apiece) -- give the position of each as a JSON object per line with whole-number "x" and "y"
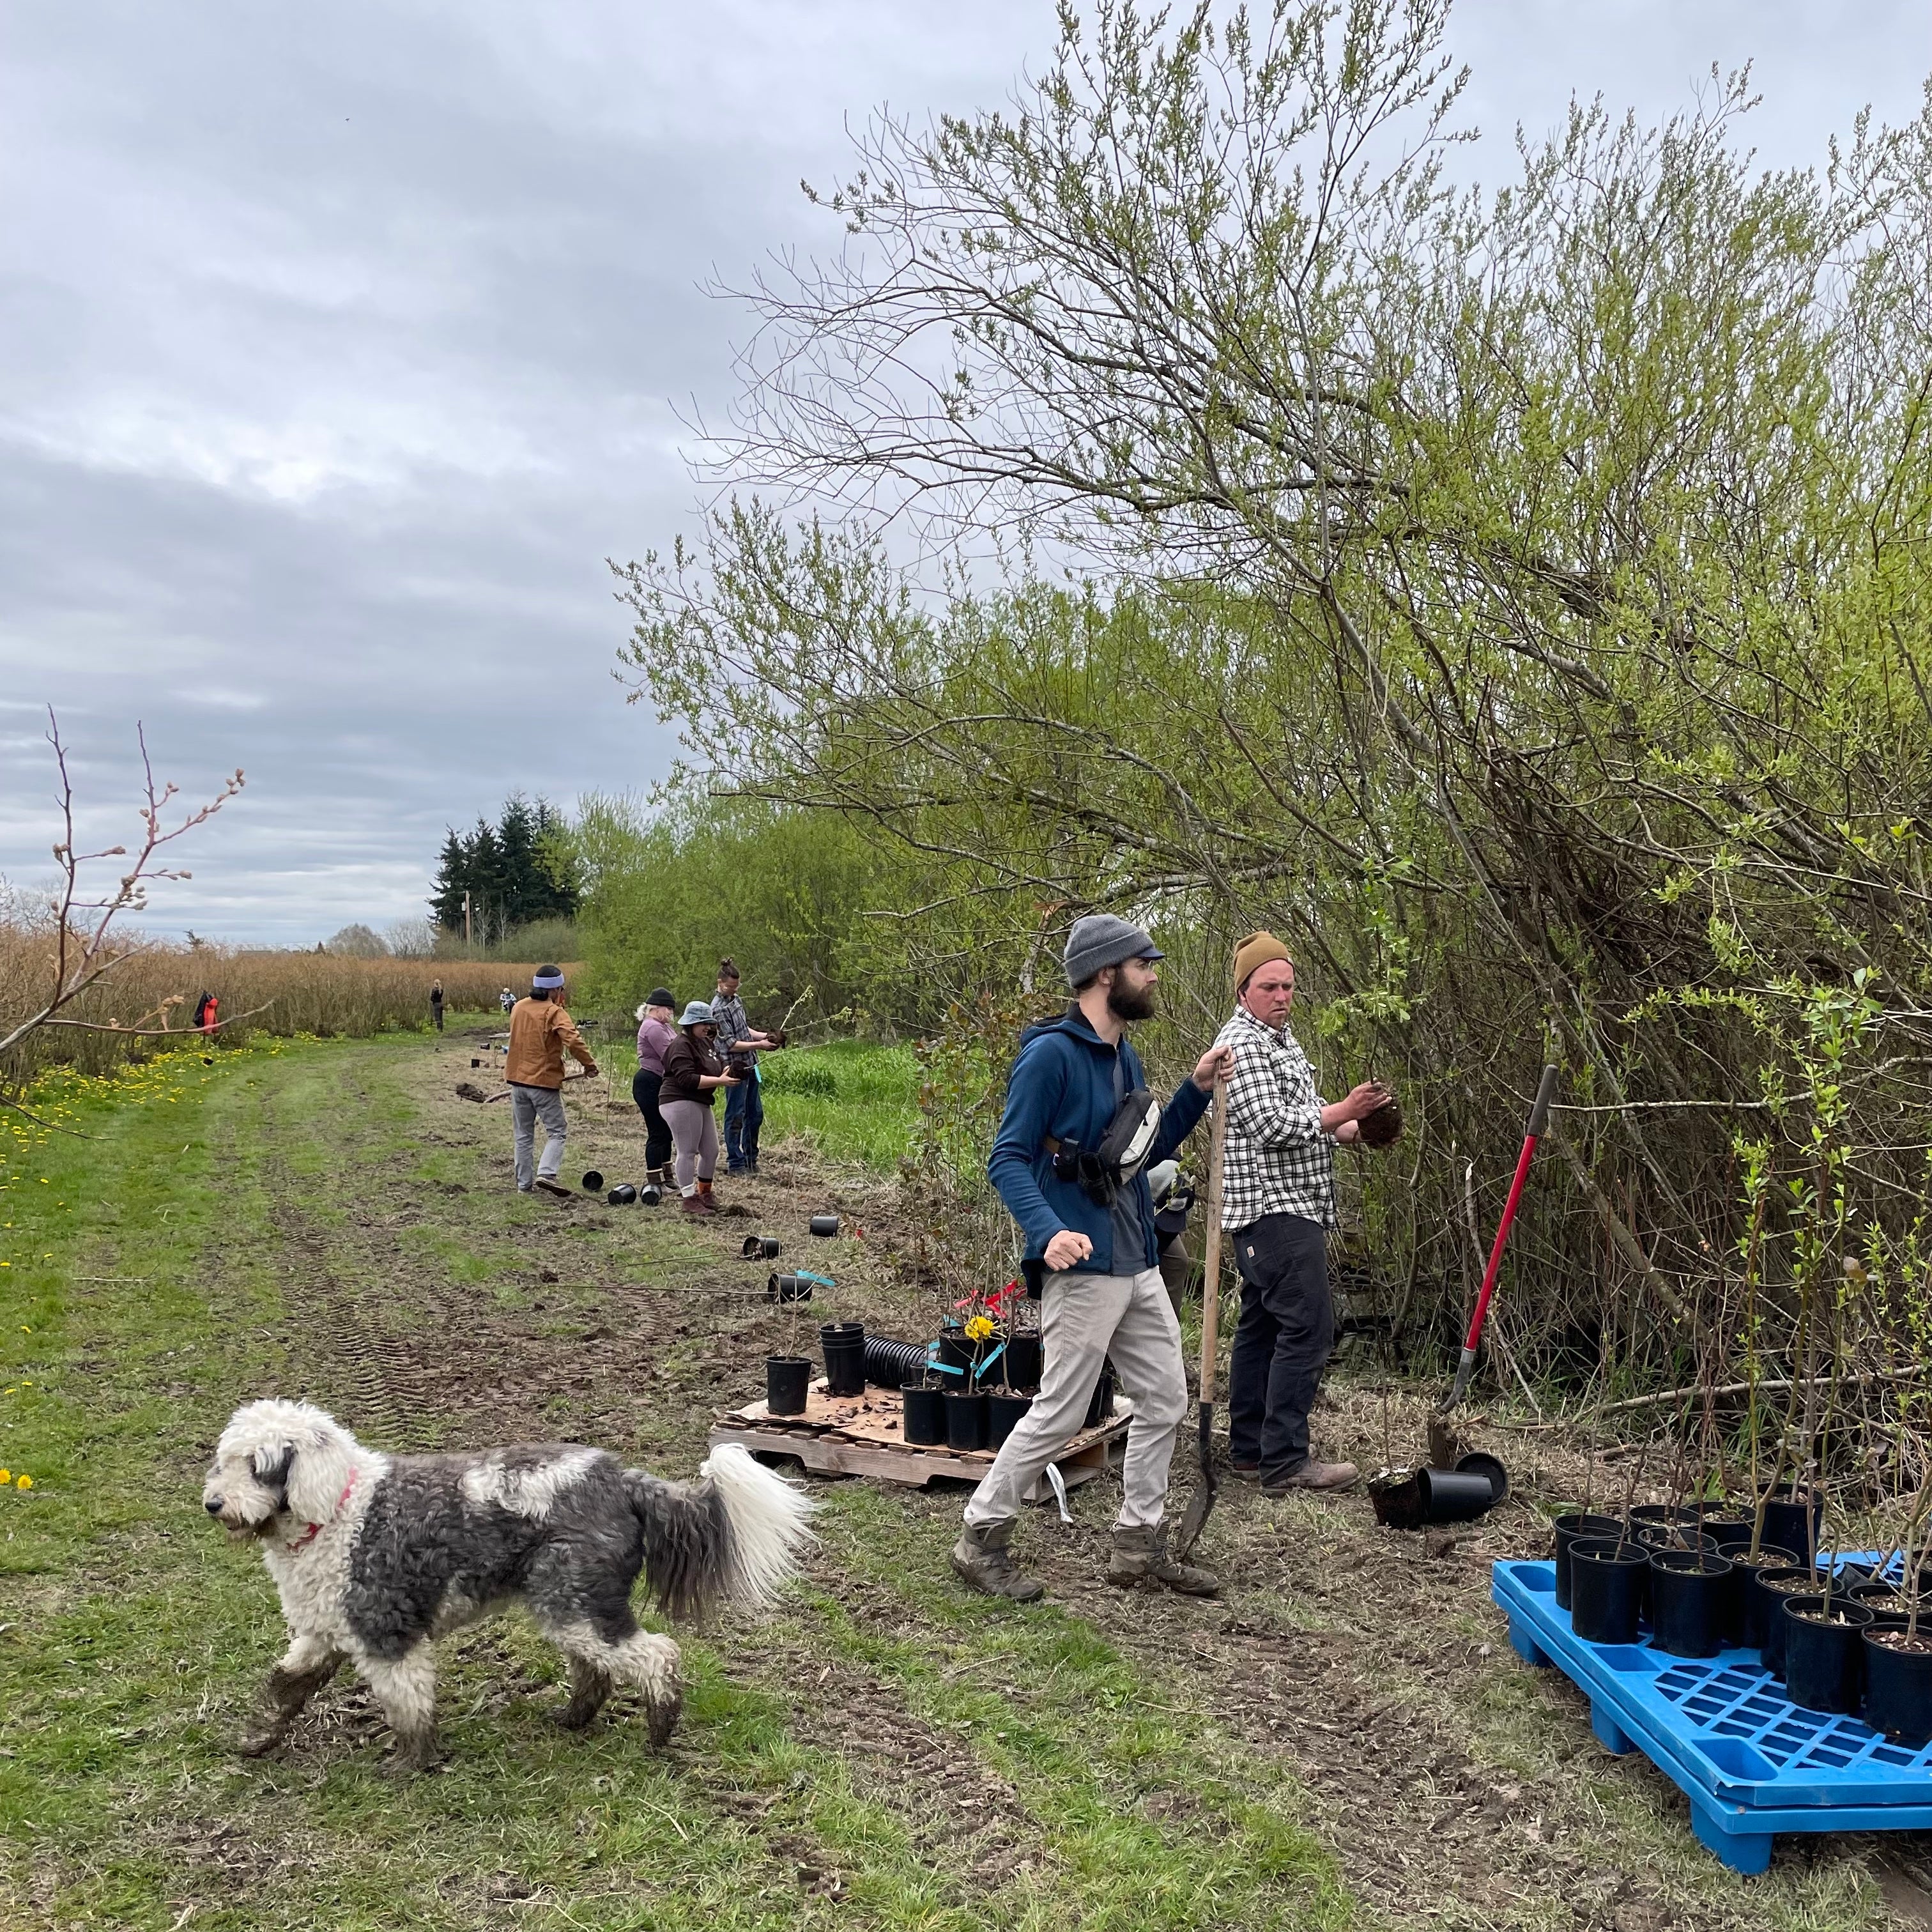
{"x": 277, "y": 993}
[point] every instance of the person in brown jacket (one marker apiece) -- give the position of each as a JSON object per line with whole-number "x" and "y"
{"x": 540, "y": 1032}
{"x": 692, "y": 1074}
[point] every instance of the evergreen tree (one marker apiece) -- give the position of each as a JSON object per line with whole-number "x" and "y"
{"x": 514, "y": 871}
{"x": 452, "y": 881}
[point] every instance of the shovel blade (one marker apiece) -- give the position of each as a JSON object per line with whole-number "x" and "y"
{"x": 1202, "y": 1500}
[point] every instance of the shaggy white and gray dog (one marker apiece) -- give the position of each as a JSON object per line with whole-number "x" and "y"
{"x": 376, "y": 1556}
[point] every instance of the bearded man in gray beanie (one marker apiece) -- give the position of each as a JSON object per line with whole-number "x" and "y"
{"x": 1070, "y": 1161}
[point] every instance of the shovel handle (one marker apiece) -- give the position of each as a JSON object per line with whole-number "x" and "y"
{"x": 1539, "y": 1119}
{"x": 1211, "y": 1279}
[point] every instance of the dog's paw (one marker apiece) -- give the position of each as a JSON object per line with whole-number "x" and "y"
{"x": 413, "y": 1756}
{"x": 661, "y": 1717}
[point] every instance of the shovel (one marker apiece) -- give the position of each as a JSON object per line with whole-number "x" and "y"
{"x": 1202, "y": 1500}
{"x": 1539, "y": 1118}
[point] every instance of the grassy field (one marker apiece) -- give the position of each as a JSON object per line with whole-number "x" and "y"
{"x": 849, "y": 1101}
{"x": 1337, "y": 1741}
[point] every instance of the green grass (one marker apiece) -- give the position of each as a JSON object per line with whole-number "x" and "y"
{"x": 156, "y": 1274}
{"x": 853, "y": 1101}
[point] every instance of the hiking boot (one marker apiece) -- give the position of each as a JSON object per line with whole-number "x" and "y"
{"x": 707, "y": 1201}
{"x": 550, "y": 1184}
{"x": 1140, "y": 1556}
{"x": 694, "y": 1204}
{"x": 981, "y": 1561}
{"x": 1312, "y": 1475}
{"x": 1245, "y": 1472}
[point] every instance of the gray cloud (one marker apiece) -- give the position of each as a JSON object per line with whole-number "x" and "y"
{"x": 338, "y": 348}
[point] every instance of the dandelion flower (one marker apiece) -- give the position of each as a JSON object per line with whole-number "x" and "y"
{"x": 6, "y": 1477}
{"x": 23, "y": 1482}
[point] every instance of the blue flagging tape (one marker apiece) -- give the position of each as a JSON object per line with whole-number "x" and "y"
{"x": 1752, "y": 1763}
{"x": 932, "y": 1361}
{"x": 823, "y": 1281}
{"x": 989, "y": 1361}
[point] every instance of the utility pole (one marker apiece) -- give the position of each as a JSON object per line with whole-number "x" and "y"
{"x": 466, "y": 921}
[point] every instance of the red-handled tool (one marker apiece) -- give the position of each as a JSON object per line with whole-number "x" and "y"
{"x": 1539, "y": 1118}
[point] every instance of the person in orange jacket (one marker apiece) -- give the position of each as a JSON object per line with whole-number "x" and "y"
{"x": 540, "y": 1032}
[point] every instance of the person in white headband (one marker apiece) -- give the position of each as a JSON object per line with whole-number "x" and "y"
{"x": 540, "y": 1032}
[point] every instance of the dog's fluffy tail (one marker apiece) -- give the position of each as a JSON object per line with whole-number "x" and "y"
{"x": 734, "y": 1537}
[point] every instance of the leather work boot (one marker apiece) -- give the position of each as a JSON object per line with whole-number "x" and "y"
{"x": 981, "y": 1561}
{"x": 689, "y": 1204}
{"x": 1140, "y": 1556}
{"x": 707, "y": 1202}
{"x": 1312, "y": 1475}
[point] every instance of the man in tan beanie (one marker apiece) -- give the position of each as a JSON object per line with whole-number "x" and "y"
{"x": 1278, "y": 1202}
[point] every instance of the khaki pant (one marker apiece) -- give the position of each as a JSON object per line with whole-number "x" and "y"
{"x": 1083, "y": 1319}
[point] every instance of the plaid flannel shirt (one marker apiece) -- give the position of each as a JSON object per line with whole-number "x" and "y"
{"x": 1280, "y": 1159}
{"x": 728, "y": 1011}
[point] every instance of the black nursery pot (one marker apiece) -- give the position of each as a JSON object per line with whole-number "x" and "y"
{"x": 1606, "y": 1589}
{"x": 1824, "y": 1664}
{"x": 1746, "y": 1606}
{"x": 1023, "y": 1361}
{"x": 825, "y": 1226}
{"x": 1003, "y": 1410}
{"x": 624, "y": 1195}
{"x": 965, "y": 1419}
{"x": 1792, "y": 1523}
{"x": 1689, "y": 1601}
{"x": 650, "y": 1195}
{"x": 1770, "y": 1612}
{"x": 1661, "y": 1512}
{"x": 593, "y": 1182}
{"x": 844, "y": 1345}
{"x": 1452, "y": 1495}
{"x": 1569, "y": 1529}
{"x": 787, "y": 1288}
{"x": 924, "y": 1413}
{"x": 760, "y": 1247}
{"x": 787, "y": 1377}
{"x": 1898, "y": 1684}
{"x": 1490, "y": 1469}
{"x": 1672, "y": 1536}
{"x": 954, "y": 1351}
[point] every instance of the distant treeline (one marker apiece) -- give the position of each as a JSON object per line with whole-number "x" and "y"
{"x": 515, "y": 873}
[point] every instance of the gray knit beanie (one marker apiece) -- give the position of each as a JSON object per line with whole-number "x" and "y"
{"x": 1101, "y": 939}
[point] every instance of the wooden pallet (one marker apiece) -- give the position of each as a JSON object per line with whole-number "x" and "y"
{"x": 865, "y": 1435}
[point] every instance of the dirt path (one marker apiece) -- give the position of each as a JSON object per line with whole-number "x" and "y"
{"x": 1454, "y": 1786}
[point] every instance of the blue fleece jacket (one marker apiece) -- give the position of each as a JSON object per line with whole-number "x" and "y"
{"x": 1062, "y": 1084}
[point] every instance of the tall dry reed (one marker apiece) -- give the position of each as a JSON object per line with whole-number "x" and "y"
{"x": 259, "y": 991}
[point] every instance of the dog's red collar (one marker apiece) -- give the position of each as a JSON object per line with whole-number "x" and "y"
{"x": 315, "y": 1529}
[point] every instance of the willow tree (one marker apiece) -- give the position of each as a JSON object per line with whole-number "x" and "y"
{"x": 1531, "y": 586}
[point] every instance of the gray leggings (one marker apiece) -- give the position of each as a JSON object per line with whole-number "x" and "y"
{"x": 694, "y": 1132}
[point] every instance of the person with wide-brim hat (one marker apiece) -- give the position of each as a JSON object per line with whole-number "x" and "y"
{"x": 692, "y": 1074}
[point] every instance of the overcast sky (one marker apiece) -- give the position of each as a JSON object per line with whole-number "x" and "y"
{"x": 339, "y": 346}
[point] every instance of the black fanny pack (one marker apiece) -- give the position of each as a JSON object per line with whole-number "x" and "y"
{"x": 1101, "y": 1172}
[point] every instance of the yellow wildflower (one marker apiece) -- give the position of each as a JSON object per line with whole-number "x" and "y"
{"x": 979, "y": 1327}
{"x": 23, "y": 1482}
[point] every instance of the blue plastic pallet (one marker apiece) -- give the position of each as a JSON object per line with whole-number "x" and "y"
{"x": 1752, "y": 1763}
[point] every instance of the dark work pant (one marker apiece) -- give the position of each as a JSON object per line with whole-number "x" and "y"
{"x": 644, "y": 1085}
{"x": 436, "y": 1010}
{"x": 744, "y": 1115}
{"x": 1282, "y": 1341}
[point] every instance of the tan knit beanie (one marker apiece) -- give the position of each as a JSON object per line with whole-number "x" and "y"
{"x": 1251, "y": 954}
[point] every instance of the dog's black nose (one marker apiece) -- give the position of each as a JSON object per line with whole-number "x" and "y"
{"x": 213, "y": 1506}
